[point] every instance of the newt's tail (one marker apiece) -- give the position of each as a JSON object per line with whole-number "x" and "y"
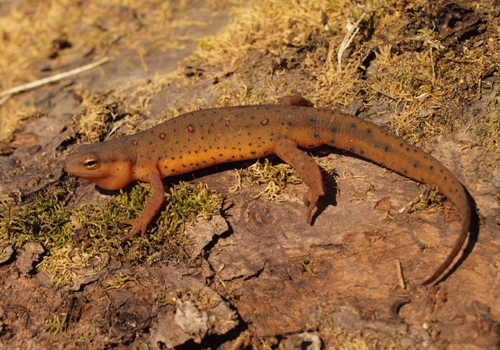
{"x": 374, "y": 143}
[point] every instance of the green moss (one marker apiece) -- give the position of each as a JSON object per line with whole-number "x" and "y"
{"x": 45, "y": 220}
{"x": 49, "y": 221}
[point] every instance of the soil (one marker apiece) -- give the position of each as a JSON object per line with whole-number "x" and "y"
{"x": 263, "y": 277}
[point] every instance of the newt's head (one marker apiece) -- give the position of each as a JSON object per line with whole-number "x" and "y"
{"x": 101, "y": 164}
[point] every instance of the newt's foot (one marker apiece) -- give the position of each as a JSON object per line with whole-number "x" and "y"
{"x": 138, "y": 227}
{"x": 310, "y": 200}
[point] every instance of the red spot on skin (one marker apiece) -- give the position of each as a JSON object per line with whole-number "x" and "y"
{"x": 190, "y": 128}
{"x": 135, "y": 143}
{"x": 163, "y": 135}
{"x": 227, "y": 122}
{"x": 265, "y": 122}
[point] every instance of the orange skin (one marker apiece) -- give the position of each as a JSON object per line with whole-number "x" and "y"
{"x": 203, "y": 138}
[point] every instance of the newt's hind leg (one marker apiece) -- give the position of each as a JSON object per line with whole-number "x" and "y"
{"x": 308, "y": 170}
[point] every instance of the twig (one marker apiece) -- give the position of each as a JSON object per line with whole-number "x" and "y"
{"x": 401, "y": 279}
{"x": 53, "y": 78}
{"x": 352, "y": 30}
{"x": 383, "y": 93}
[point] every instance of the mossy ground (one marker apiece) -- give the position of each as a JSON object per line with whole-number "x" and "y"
{"x": 415, "y": 67}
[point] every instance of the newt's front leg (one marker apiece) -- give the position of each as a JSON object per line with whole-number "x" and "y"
{"x": 308, "y": 170}
{"x": 140, "y": 224}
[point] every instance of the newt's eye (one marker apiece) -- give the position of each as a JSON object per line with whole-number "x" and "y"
{"x": 91, "y": 163}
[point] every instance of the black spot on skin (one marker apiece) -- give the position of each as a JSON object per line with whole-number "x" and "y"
{"x": 142, "y": 166}
{"x": 401, "y": 144}
{"x": 441, "y": 171}
{"x": 252, "y": 152}
{"x": 415, "y": 165}
{"x": 351, "y": 149}
{"x": 368, "y": 131}
{"x": 250, "y": 144}
{"x": 422, "y": 179}
{"x": 184, "y": 166}
{"x": 446, "y": 178}
{"x": 288, "y": 123}
{"x": 165, "y": 167}
{"x": 352, "y": 126}
{"x": 405, "y": 171}
{"x": 408, "y": 149}
{"x": 362, "y": 151}
{"x": 312, "y": 119}
{"x": 316, "y": 135}
{"x": 150, "y": 142}
{"x": 333, "y": 130}
{"x": 387, "y": 148}
{"x": 375, "y": 146}
{"x": 332, "y": 141}
{"x": 431, "y": 167}
{"x": 221, "y": 154}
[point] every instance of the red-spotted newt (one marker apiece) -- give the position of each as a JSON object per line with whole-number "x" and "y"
{"x": 206, "y": 137}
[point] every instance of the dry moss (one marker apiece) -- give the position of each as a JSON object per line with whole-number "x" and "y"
{"x": 52, "y": 35}
{"x": 491, "y": 129}
{"x": 275, "y": 177}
